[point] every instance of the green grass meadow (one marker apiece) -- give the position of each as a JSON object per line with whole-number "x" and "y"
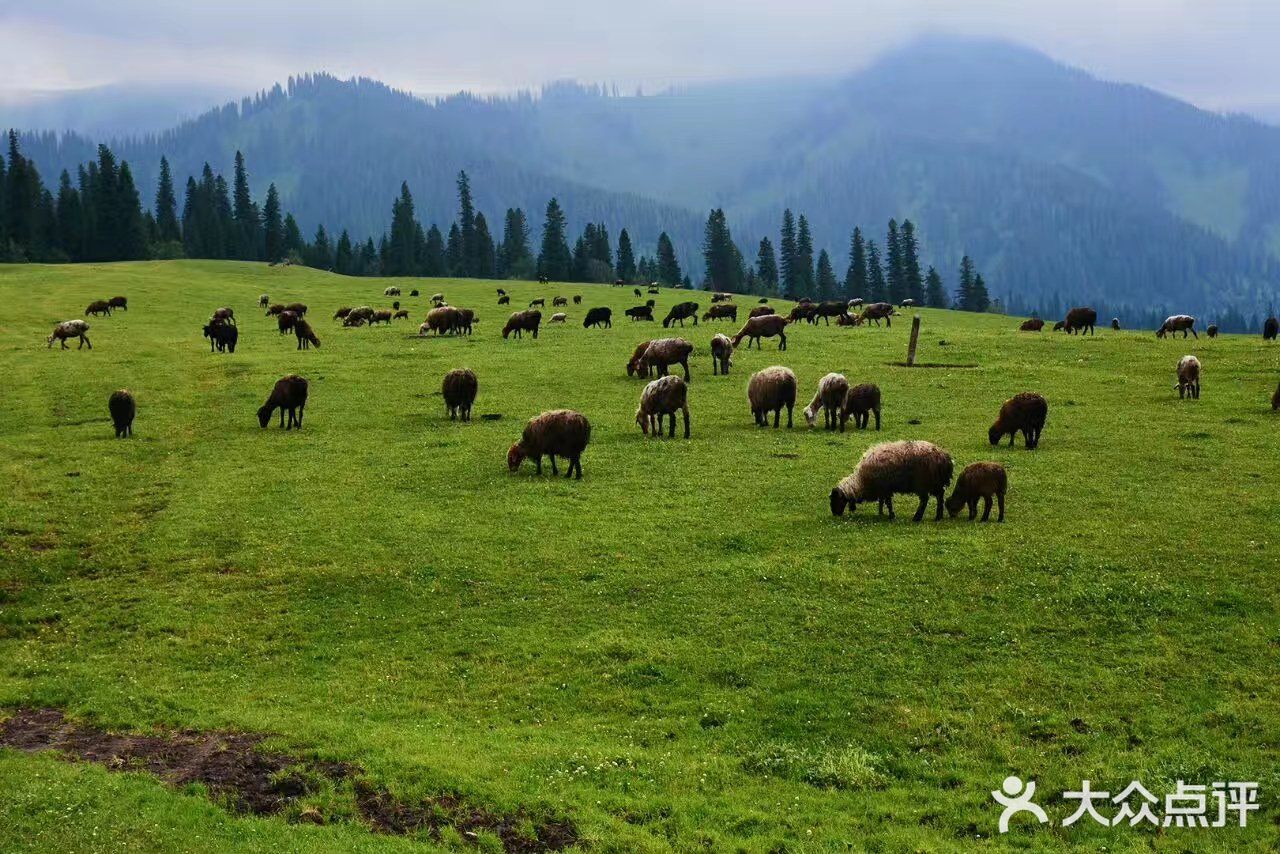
{"x": 684, "y": 650}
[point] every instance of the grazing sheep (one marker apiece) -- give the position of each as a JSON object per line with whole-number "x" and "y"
{"x": 1270, "y": 329}
{"x": 830, "y": 396}
{"x": 636, "y": 291}
{"x": 414, "y": 292}
{"x": 633, "y": 364}
{"x": 598, "y": 317}
{"x": 559, "y": 301}
{"x": 828, "y": 310}
{"x": 392, "y": 291}
{"x": 878, "y": 311}
{"x": 221, "y": 335}
{"x": 381, "y": 315}
{"x": 1175, "y": 323}
{"x": 264, "y": 301}
{"x": 423, "y": 329}
{"x": 847, "y": 319}
{"x": 680, "y": 312}
{"x": 544, "y": 280}
{"x": 1025, "y": 413}
{"x": 662, "y": 397}
{"x": 467, "y": 318}
{"x": 98, "y": 307}
{"x": 907, "y": 303}
{"x": 762, "y": 300}
{"x": 437, "y": 298}
{"x": 298, "y": 308}
{"x": 276, "y": 309}
{"x": 855, "y": 302}
{"x": 443, "y": 319}
{"x": 122, "y": 407}
{"x": 650, "y": 303}
{"x": 802, "y": 311}
{"x": 121, "y": 303}
{"x": 861, "y": 401}
{"x": 654, "y": 289}
{"x": 459, "y": 390}
{"x": 761, "y": 311}
{"x": 357, "y": 316}
{"x": 70, "y": 329}
{"x": 306, "y": 335}
{"x": 577, "y": 299}
{"x": 401, "y": 313}
{"x": 289, "y": 394}
{"x": 907, "y": 467}
{"x": 501, "y": 292}
{"x": 521, "y": 322}
{"x": 640, "y": 312}
{"x": 342, "y": 312}
{"x": 768, "y": 391}
{"x": 539, "y": 301}
{"x": 766, "y": 326}
{"x": 1115, "y": 327}
{"x": 721, "y": 296}
{"x": 1035, "y": 324}
{"x": 1080, "y": 319}
{"x": 224, "y": 314}
{"x": 979, "y": 480}
{"x": 395, "y": 306}
{"x": 1059, "y": 326}
{"x": 1212, "y": 330}
{"x": 723, "y": 311}
{"x": 558, "y": 317}
{"x": 286, "y": 321}
{"x": 662, "y": 353}
{"x": 1188, "y": 384}
{"x": 559, "y": 433}
{"x": 504, "y": 300}
{"x": 721, "y": 354}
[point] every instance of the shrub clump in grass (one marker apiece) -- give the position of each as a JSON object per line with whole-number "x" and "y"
{"x": 848, "y": 767}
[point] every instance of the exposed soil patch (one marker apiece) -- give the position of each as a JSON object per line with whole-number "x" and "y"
{"x": 249, "y": 780}
{"x": 931, "y": 365}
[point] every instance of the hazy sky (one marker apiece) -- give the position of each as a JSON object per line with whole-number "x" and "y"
{"x": 1220, "y": 54}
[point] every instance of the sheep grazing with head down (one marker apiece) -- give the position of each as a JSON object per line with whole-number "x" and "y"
{"x": 298, "y": 308}
{"x": 979, "y": 480}
{"x": 877, "y": 311}
{"x": 70, "y": 329}
{"x": 443, "y": 319}
{"x": 766, "y": 326}
{"x": 459, "y": 391}
{"x": 633, "y": 364}
{"x": 908, "y": 467}
{"x": 722, "y": 311}
{"x": 861, "y": 401}
{"x": 721, "y": 354}
{"x": 662, "y": 397}
{"x": 1023, "y": 413}
{"x": 413, "y": 293}
{"x": 1059, "y": 326}
{"x": 540, "y": 301}
{"x": 824, "y": 311}
{"x": 357, "y": 316}
{"x": 224, "y": 314}
{"x": 122, "y": 407}
{"x": 437, "y": 298}
{"x": 1034, "y": 324}
{"x": 1188, "y": 384}
{"x": 285, "y": 321}
{"x": 521, "y": 322}
{"x": 770, "y": 390}
{"x": 558, "y": 301}
{"x": 306, "y": 335}
{"x": 559, "y": 433}
{"x": 401, "y": 313}
{"x": 640, "y": 312}
{"x": 341, "y": 313}
{"x": 98, "y": 307}
{"x": 663, "y": 353}
{"x": 121, "y": 303}
{"x": 1175, "y": 323}
{"x": 504, "y": 300}
{"x": 381, "y": 315}
{"x": 288, "y": 395}
{"x": 1211, "y": 330}
{"x": 558, "y": 317}
{"x": 598, "y": 317}
{"x": 1080, "y": 320}
{"x": 761, "y": 311}
{"x": 1270, "y": 329}
{"x": 830, "y": 398}
{"x": 222, "y": 336}
{"x": 392, "y": 291}
{"x": 276, "y": 309}
{"x": 680, "y": 312}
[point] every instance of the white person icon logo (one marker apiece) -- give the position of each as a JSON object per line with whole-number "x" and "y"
{"x": 1016, "y": 799}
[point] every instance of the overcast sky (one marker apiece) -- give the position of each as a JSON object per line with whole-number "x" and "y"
{"x": 1219, "y": 54}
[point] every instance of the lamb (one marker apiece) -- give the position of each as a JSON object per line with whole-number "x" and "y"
{"x": 286, "y": 321}
{"x": 1188, "y": 384}
{"x": 830, "y": 397}
{"x": 342, "y": 312}
{"x": 1080, "y": 319}
{"x": 298, "y": 308}
{"x": 598, "y": 317}
{"x": 289, "y": 394}
{"x": 640, "y": 312}
{"x": 680, "y": 312}
{"x": 761, "y": 311}
{"x": 459, "y": 390}
{"x": 306, "y": 335}
{"x": 560, "y": 432}
{"x": 1212, "y": 330}
{"x": 392, "y": 291}
{"x": 830, "y": 309}
{"x": 559, "y": 317}
{"x": 121, "y": 303}
{"x": 722, "y": 311}
{"x": 224, "y": 314}
{"x": 275, "y": 309}
{"x": 1060, "y": 325}
{"x": 770, "y": 390}
{"x": 665, "y": 352}
{"x": 878, "y": 311}
{"x": 1035, "y": 324}
{"x": 401, "y": 313}
{"x": 521, "y": 322}
{"x": 633, "y": 364}
{"x": 381, "y": 315}
{"x": 99, "y": 307}
{"x": 264, "y": 301}
{"x": 1115, "y": 327}
{"x": 1270, "y": 329}
{"x": 979, "y": 480}
{"x": 559, "y": 301}
{"x": 847, "y": 319}
{"x": 122, "y": 407}
{"x": 1175, "y": 323}
{"x": 577, "y": 299}
{"x": 504, "y": 300}
{"x": 221, "y": 335}
{"x": 70, "y": 329}
{"x": 540, "y": 301}
{"x": 721, "y": 354}
{"x": 1025, "y": 413}
{"x": 907, "y": 467}
{"x": 766, "y": 326}
{"x": 442, "y": 319}
{"x": 861, "y": 401}
{"x": 660, "y": 398}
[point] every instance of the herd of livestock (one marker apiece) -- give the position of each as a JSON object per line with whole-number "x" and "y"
{"x": 910, "y": 467}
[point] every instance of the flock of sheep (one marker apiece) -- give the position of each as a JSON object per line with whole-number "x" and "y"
{"x": 909, "y": 467}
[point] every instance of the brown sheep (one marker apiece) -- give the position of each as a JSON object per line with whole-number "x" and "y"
{"x": 381, "y": 315}
{"x": 278, "y": 308}
{"x": 909, "y": 467}
{"x": 633, "y": 364}
{"x": 680, "y": 312}
{"x": 392, "y": 291}
{"x": 561, "y": 432}
{"x": 1212, "y": 330}
{"x": 341, "y": 313}
{"x": 722, "y": 311}
{"x": 98, "y": 307}
{"x": 556, "y": 302}
{"x": 662, "y": 353}
{"x": 285, "y": 321}
{"x": 459, "y": 390}
{"x": 121, "y": 303}
{"x": 443, "y": 319}
{"x": 122, "y": 407}
{"x": 1080, "y": 319}
{"x": 289, "y": 394}
{"x": 224, "y": 314}
{"x": 1175, "y": 323}
{"x": 768, "y": 391}
{"x": 662, "y": 397}
{"x": 830, "y": 309}
{"x": 1270, "y": 329}
{"x": 847, "y": 319}
{"x": 1025, "y": 413}
{"x": 1035, "y": 324}
{"x": 761, "y": 311}
{"x": 357, "y": 316}
{"x": 298, "y": 308}
{"x": 721, "y": 354}
{"x": 979, "y": 480}
{"x": 401, "y": 313}
{"x": 521, "y": 322}
{"x": 70, "y": 329}
{"x": 861, "y": 401}
{"x": 805, "y": 310}
{"x": 830, "y": 397}
{"x": 467, "y": 318}
{"x": 540, "y": 301}
{"x": 1188, "y": 384}
{"x": 306, "y": 335}
{"x": 767, "y": 326}
{"x": 877, "y": 311}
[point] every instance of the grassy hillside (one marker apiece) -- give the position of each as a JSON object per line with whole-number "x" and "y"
{"x": 684, "y": 649}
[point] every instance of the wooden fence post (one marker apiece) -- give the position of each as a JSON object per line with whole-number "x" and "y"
{"x": 915, "y": 337}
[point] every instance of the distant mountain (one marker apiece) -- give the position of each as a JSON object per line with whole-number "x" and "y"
{"x": 1062, "y": 187}
{"x": 111, "y": 111}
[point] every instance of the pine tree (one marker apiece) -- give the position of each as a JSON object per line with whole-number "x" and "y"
{"x": 454, "y": 252}
{"x": 981, "y": 299}
{"x": 935, "y": 293}
{"x": 369, "y": 259}
{"x": 132, "y": 229}
{"x": 667, "y": 267}
{"x": 70, "y": 218}
{"x": 826, "y": 277}
{"x": 964, "y": 292}
{"x": 294, "y": 245}
{"x": 225, "y": 217}
{"x": 626, "y": 258}
{"x": 321, "y": 252}
{"x": 895, "y": 277}
{"x": 468, "y": 249}
{"x": 913, "y": 281}
{"x": 877, "y": 290}
{"x": 513, "y": 257}
{"x": 723, "y": 261}
{"x": 272, "y": 227}
{"x": 554, "y": 261}
{"x": 248, "y": 224}
{"x": 804, "y": 259}
{"x": 434, "y": 262}
{"x": 484, "y": 264}
{"x": 400, "y": 259}
{"x": 4, "y": 212}
{"x": 855, "y": 279}
{"x": 343, "y": 256}
{"x": 766, "y": 268}
{"x": 787, "y": 260}
{"x": 167, "y": 230}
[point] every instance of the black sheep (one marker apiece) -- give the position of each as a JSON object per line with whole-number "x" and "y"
{"x": 290, "y": 393}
